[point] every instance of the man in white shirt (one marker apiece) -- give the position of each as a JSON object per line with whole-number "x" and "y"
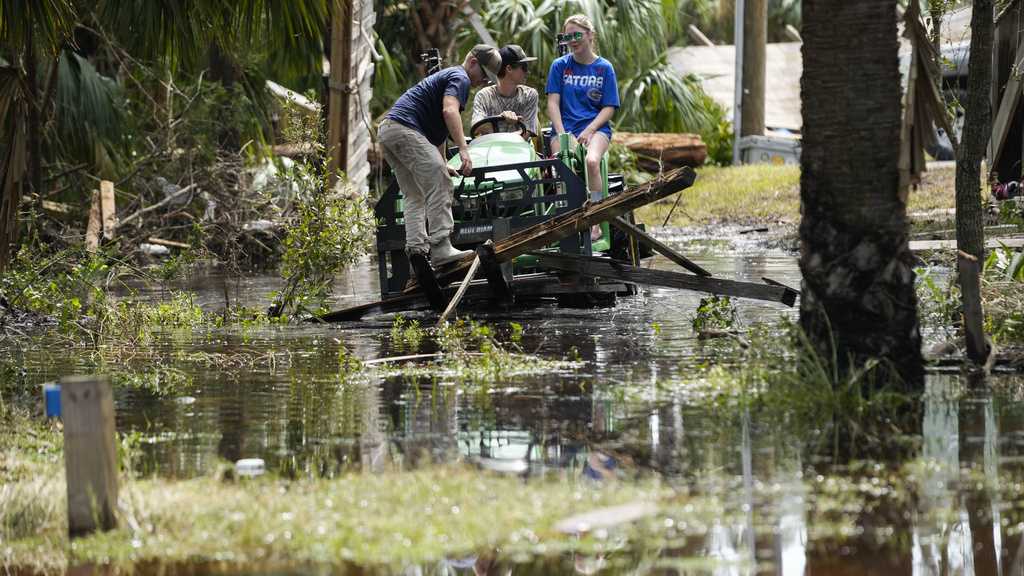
{"x": 509, "y": 98}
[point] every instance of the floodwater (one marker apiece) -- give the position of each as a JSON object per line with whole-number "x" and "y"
{"x": 935, "y": 490}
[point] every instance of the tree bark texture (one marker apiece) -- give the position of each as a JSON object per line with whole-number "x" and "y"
{"x": 858, "y": 300}
{"x": 35, "y": 124}
{"x": 970, "y": 232}
{"x": 755, "y": 38}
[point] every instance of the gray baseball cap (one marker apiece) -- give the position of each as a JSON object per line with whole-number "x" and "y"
{"x": 489, "y": 59}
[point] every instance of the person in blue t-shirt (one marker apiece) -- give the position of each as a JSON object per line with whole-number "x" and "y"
{"x": 582, "y": 97}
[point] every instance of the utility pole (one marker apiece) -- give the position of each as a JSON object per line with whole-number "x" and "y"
{"x": 737, "y": 109}
{"x": 755, "y": 39}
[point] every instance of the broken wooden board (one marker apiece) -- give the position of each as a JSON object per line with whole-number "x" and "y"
{"x": 612, "y": 269}
{"x": 94, "y": 226}
{"x": 108, "y": 209}
{"x": 578, "y": 220}
{"x": 922, "y": 245}
{"x": 528, "y": 288}
{"x": 641, "y": 236}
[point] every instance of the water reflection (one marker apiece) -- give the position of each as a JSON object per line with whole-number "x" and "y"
{"x": 626, "y": 414}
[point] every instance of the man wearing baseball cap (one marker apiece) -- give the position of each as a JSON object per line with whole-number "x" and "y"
{"x": 509, "y": 98}
{"x": 412, "y": 137}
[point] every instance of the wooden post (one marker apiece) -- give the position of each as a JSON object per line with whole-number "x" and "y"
{"x": 93, "y": 227}
{"x": 737, "y": 110}
{"x": 970, "y": 293}
{"x": 90, "y": 455}
{"x": 340, "y": 85}
{"x": 108, "y": 209}
{"x": 755, "y": 38}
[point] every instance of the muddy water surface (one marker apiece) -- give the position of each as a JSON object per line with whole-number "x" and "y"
{"x": 934, "y": 490}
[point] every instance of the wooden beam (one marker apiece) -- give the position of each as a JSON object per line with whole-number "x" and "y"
{"x": 755, "y": 41}
{"x": 605, "y": 268}
{"x": 460, "y": 292}
{"x": 90, "y": 454}
{"x": 108, "y": 209}
{"x": 1007, "y": 110}
{"x": 579, "y": 220}
{"x": 340, "y": 87}
{"x": 641, "y": 236}
{"x": 94, "y": 226}
{"x": 921, "y": 245}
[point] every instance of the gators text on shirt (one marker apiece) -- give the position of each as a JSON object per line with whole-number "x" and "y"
{"x": 585, "y": 89}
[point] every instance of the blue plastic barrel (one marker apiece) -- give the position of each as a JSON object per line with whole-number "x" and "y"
{"x": 51, "y": 396}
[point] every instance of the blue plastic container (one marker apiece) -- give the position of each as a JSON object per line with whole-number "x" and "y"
{"x": 51, "y": 397}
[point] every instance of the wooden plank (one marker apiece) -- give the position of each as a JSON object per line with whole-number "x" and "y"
{"x": 922, "y": 245}
{"x": 579, "y": 219}
{"x": 970, "y": 290}
{"x": 1007, "y": 110}
{"x": 658, "y": 247}
{"x": 90, "y": 454}
{"x": 454, "y": 302}
{"x": 108, "y": 209}
{"x": 94, "y": 225}
{"x": 605, "y": 268}
{"x": 768, "y": 280}
{"x": 168, "y": 243}
{"x": 340, "y": 92}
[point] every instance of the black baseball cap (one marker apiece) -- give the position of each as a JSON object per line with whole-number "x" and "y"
{"x": 513, "y": 54}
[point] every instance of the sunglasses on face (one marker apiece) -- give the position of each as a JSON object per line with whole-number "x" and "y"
{"x": 571, "y": 37}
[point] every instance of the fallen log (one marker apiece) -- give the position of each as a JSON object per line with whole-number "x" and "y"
{"x": 664, "y": 150}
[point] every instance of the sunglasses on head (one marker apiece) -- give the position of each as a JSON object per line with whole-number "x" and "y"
{"x": 570, "y": 36}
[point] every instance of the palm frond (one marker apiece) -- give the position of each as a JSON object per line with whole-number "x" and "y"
{"x": 89, "y": 115}
{"x": 659, "y": 100}
{"x": 50, "y": 21}
{"x": 13, "y": 157}
{"x": 176, "y": 33}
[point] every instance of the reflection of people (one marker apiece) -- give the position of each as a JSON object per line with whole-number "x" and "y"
{"x": 509, "y": 98}
{"x": 582, "y": 96}
{"x": 412, "y": 136}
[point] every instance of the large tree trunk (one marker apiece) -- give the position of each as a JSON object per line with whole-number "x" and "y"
{"x": 970, "y": 233}
{"x": 858, "y": 300}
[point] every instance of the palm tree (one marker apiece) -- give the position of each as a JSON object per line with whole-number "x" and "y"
{"x": 858, "y": 300}
{"x": 31, "y": 31}
{"x": 59, "y": 107}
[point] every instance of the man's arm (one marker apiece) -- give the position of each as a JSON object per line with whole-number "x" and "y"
{"x": 453, "y": 120}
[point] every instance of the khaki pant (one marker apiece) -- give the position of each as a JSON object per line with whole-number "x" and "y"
{"x": 423, "y": 179}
